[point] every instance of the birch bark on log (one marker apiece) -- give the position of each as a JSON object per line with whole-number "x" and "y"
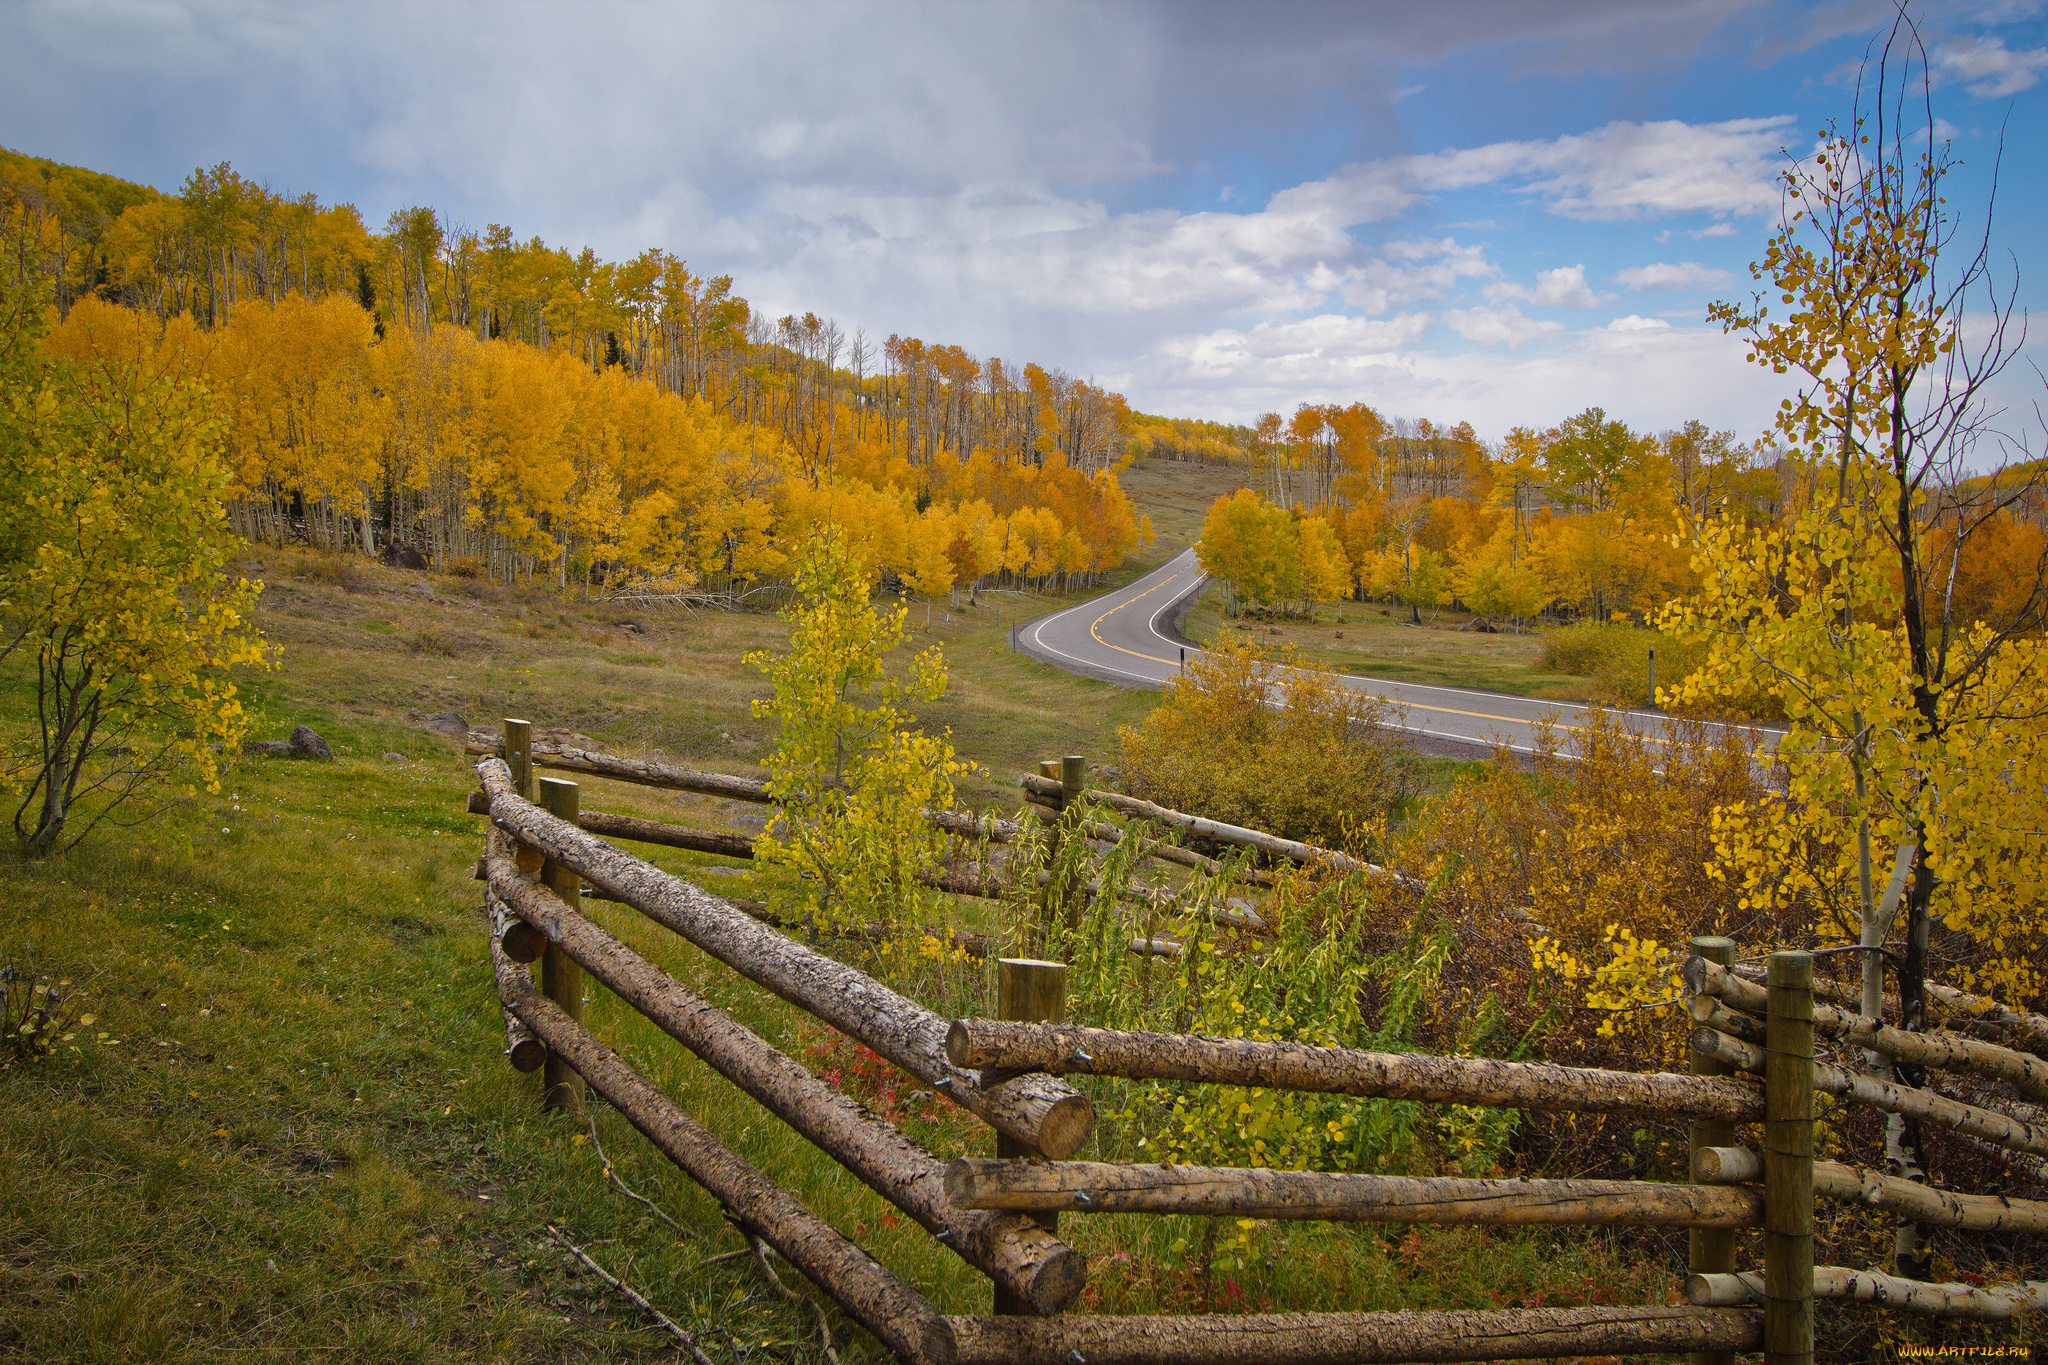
{"x": 1991, "y": 1303}
{"x": 1009, "y": 1248}
{"x": 904, "y": 1322}
{"x": 1354, "y": 1338}
{"x": 1039, "y": 1110}
{"x": 1201, "y": 828}
{"x": 1858, "y": 1185}
{"x": 1098, "y": 1187}
{"x": 1069, "y": 1049}
{"x": 1940, "y": 1049}
{"x": 1890, "y": 1097}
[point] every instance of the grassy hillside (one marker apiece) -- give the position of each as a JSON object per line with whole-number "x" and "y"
{"x": 280, "y": 1127}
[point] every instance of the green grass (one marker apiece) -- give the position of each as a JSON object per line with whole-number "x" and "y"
{"x": 288, "y": 1132}
{"x": 1378, "y": 641}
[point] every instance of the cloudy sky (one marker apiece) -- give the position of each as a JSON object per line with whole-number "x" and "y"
{"x": 1494, "y": 210}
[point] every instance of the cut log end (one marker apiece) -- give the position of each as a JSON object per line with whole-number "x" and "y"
{"x": 1066, "y": 1126}
{"x": 526, "y": 1054}
{"x": 522, "y": 942}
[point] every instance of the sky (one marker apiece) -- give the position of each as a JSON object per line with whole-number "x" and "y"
{"x": 1497, "y": 211}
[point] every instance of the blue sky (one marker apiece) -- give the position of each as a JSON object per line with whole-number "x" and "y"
{"x": 1491, "y": 210}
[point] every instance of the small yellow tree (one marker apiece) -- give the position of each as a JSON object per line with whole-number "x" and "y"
{"x": 854, "y": 781}
{"x": 113, "y": 550}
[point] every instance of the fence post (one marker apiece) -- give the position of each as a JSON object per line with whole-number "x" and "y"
{"x": 519, "y": 755}
{"x": 561, "y": 979}
{"x": 1711, "y": 1251}
{"x": 1030, "y": 992}
{"x": 1073, "y": 787}
{"x": 1788, "y": 1162}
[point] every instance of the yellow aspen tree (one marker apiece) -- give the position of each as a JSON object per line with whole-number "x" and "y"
{"x": 1916, "y": 734}
{"x": 113, "y": 575}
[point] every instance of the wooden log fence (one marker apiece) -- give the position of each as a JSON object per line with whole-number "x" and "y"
{"x": 1011, "y": 1249}
{"x": 997, "y": 1214}
{"x": 1941, "y": 1050}
{"x": 1725, "y": 1007}
{"x": 1039, "y": 1110}
{"x": 1356, "y": 1338}
{"x": 903, "y": 1320}
{"x": 1888, "y": 1096}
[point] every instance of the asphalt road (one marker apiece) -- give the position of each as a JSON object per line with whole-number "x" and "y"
{"x": 1120, "y": 637}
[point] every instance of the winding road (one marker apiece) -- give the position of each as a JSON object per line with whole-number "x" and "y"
{"x": 1118, "y": 637}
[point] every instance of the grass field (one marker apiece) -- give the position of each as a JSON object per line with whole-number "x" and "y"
{"x": 1372, "y": 640}
{"x": 280, "y": 1127}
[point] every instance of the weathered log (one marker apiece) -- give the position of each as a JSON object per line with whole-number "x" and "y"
{"x": 639, "y": 771}
{"x": 1236, "y": 835}
{"x": 1940, "y": 1049}
{"x": 1154, "y": 947}
{"x": 895, "y": 1313}
{"x": 1011, "y": 1249}
{"x": 672, "y": 777}
{"x": 2033, "y": 1027}
{"x": 970, "y": 826}
{"x": 1067, "y": 1048}
{"x": 1737, "y": 1023}
{"x": 1892, "y": 1098}
{"x": 1039, "y": 1110}
{"x": 1991, "y": 1303}
{"x": 1355, "y": 1338}
{"x": 608, "y": 826}
{"x": 525, "y": 1051}
{"x": 1856, "y": 1185}
{"x": 1097, "y": 1187}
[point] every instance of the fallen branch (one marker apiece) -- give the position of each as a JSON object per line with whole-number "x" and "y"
{"x": 667, "y": 1323}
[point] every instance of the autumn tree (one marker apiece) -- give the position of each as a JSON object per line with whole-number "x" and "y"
{"x": 1913, "y": 727}
{"x": 113, "y": 582}
{"x": 851, "y": 777}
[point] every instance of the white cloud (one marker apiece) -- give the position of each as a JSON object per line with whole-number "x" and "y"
{"x": 1683, "y": 275}
{"x": 1654, "y": 378}
{"x": 1564, "y": 287}
{"x": 1498, "y": 326}
{"x": 1990, "y": 69}
{"x": 1636, "y": 322}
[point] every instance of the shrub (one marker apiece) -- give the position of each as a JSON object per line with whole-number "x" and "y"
{"x": 465, "y": 566}
{"x": 431, "y": 640}
{"x": 1319, "y": 766}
